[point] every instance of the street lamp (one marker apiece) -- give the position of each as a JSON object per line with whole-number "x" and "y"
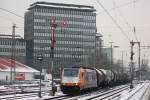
{"x": 111, "y": 46}
{"x": 40, "y": 58}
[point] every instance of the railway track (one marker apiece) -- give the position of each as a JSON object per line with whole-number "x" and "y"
{"x": 80, "y": 96}
{"x": 21, "y": 96}
{"x": 107, "y": 94}
{"x": 138, "y": 92}
{"x": 18, "y": 96}
{"x": 101, "y": 94}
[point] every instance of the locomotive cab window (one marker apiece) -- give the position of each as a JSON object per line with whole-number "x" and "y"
{"x": 71, "y": 72}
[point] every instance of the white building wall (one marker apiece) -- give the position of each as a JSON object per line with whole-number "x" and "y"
{"x": 3, "y": 75}
{"x": 28, "y": 75}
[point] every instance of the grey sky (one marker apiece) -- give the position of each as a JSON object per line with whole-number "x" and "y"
{"x": 136, "y": 14}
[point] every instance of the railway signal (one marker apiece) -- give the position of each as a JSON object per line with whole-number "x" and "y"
{"x": 40, "y": 58}
{"x": 53, "y": 27}
{"x": 131, "y": 58}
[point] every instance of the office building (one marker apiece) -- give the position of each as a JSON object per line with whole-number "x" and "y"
{"x": 18, "y": 50}
{"x": 75, "y": 34}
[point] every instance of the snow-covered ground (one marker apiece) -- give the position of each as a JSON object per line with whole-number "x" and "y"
{"x": 140, "y": 91}
{"x": 11, "y": 89}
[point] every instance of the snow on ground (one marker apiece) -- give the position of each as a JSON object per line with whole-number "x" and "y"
{"x": 56, "y": 94}
{"x": 2, "y": 87}
{"x": 44, "y": 97}
{"x": 141, "y": 90}
{"x": 31, "y": 96}
{"x": 137, "y": 93}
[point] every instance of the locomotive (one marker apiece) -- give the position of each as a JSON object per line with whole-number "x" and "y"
{"x": 79, "y": 78}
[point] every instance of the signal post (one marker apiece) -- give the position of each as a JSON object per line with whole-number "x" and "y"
{"x": 53, "y": 27}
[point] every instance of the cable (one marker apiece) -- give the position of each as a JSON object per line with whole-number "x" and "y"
{"x": 113, "y": 20}
{"x": 125, "y": 19}
{"x": 11, "y": 13}
{"x": 10, "y": 20}
{"x": 119, "y": 6}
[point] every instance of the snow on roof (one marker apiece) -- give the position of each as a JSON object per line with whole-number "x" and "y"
{"x": 62, "y": 5}
{"x": 104, "y": 71}
{"x": 98, "y": 71}
{"x": 5, "y": 65}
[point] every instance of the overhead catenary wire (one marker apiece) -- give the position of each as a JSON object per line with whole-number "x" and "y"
{"x": 122, "y": 31}
{"x": 12, "y": 13}
{"x": 8, "y": 11}
{"x": 11, "y": 20}
{"x": 122, "y": 5}
{"x": 127, "y": 23}
{"x": 117, "y": 7}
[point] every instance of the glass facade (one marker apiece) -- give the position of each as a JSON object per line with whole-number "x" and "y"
{"x": 75, "y": 33}
{"x": 6, "y": 48}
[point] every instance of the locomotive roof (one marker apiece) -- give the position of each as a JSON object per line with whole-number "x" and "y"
{"x": 80, "y": 67}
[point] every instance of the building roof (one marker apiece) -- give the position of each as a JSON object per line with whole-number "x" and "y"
{"x": 5, "y": 65}
{"x": 62, "y": 5}
{"x": 10, "y": 36}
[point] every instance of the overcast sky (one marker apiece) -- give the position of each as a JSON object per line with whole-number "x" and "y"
{"x": 127, "y": 13}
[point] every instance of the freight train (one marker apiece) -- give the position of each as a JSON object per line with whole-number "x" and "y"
{"x": 79, "y": 78}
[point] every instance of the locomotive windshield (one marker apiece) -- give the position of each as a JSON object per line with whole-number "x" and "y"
{"x": 71, "y": 72}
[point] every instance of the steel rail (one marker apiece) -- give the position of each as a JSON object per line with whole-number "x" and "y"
{"x": 145, "y": 92}
{"x": 75, "y": 97}
{"x": 108, "y": 92}
{"x": 135, "y": 93}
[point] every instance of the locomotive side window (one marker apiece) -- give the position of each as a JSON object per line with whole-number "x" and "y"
{"x": 71, "y": 72}
{"x": 82, "y": 74}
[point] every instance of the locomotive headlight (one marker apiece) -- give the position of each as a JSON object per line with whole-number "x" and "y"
{"x": 75, "y": 84}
